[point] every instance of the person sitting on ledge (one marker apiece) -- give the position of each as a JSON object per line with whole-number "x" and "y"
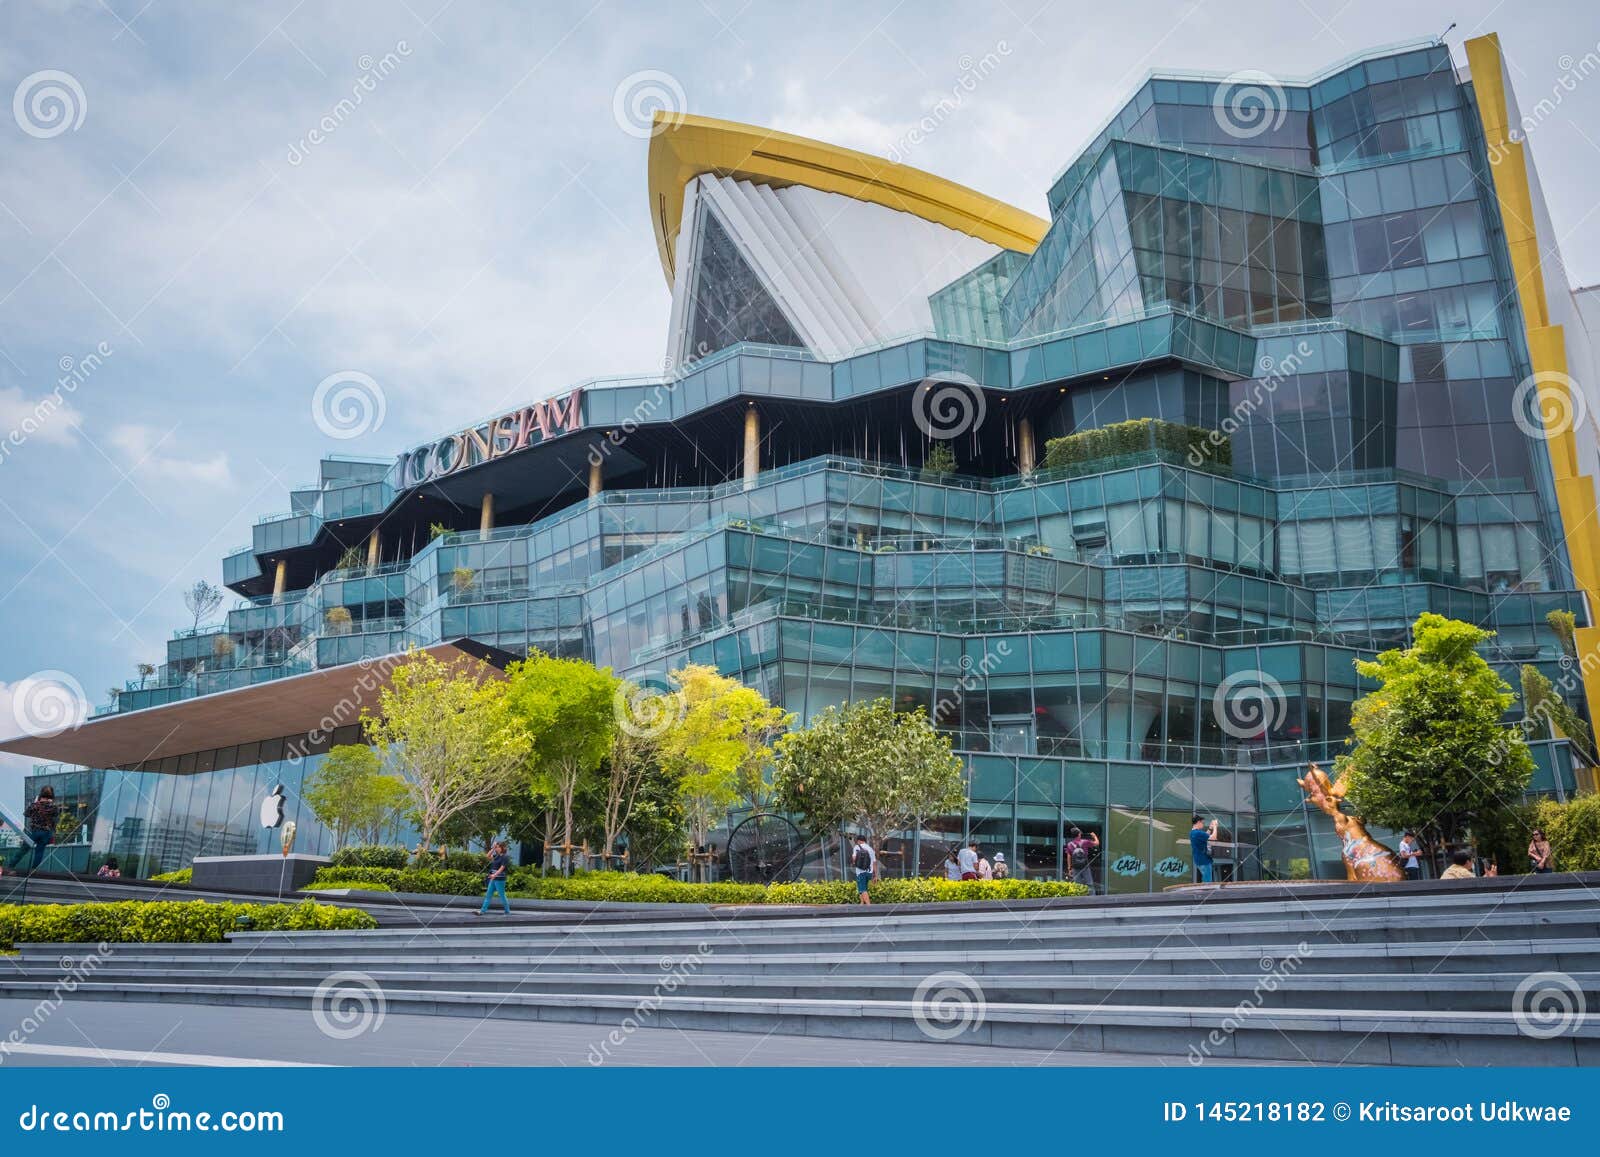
{"x": 1460, "y": 866}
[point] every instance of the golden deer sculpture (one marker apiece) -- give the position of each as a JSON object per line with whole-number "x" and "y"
{"x": 1365, "y": 859}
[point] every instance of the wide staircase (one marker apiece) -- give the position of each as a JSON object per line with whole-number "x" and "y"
{"x": 1478, "y": 973}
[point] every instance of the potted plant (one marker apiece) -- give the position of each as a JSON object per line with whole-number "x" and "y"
{"x": 462, "y": 579}
{"x": 337, "y": 620}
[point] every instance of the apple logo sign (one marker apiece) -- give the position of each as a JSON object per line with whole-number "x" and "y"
{"x": 272, "y": 807}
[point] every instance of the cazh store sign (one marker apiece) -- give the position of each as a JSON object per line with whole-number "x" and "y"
{"x": 496, "y": 438}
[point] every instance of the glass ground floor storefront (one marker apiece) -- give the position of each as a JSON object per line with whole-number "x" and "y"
{"x": 1024, "y": 807}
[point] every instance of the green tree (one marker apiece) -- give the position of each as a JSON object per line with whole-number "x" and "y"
{"x": 1564, "y": 624}
{"x": 1573, "y": 829}
{"x": 633, "y": 757}
{"x": 1432, "y": 752}
{"x": 447, "y": 731}
{"x": 939, "y": 463}
{"x": 871, "y": 766}
{"x": 568, "y": 707}
{"x": 719, "y": 746}
{"x": 352, "y": 796}
{"x": 1547, "y": 714}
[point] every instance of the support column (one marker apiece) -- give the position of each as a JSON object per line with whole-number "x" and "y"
{"x": 752, "y": 445}
{"x": 373, "y": 549}
{"x": 280, "y": 579}
{"x": 1025, "y": 452}
{"x": 594, "y": 476}
{"x": 486, "y": 516}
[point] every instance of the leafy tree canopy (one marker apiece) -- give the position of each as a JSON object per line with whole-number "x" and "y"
{"x": 868, "y": 765}
{"x": 1432, "y": 752}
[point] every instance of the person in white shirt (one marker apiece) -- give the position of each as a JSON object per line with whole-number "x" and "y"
{"x": 952, "y": 866}
{"x": 968, "y": 858}
{"x": 865, "y": 862}
{"x": 1410, "y": 849}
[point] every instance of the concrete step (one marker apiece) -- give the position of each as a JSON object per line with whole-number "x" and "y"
{"x": 1487, "y": 992}
{"x": 1438, "y": 956}
{"x": 1349, "y": 1036}
{"x": 958, "y": 936}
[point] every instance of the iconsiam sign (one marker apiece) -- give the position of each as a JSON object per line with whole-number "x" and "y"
{"x": 510, "y": 432}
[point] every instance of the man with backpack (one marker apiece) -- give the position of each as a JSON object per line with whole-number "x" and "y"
{"x": 1080, "y": 857}
{"x": 865, "y": 862}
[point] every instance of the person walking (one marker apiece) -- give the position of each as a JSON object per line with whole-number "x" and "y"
{"x": 1410, "y": 850}
{"x": 1081, "y": 851}
{"x": 1540, "y": 854}
{"x": 1200, "y": 838}
{"x": 968, "y": 857}
{"x": 865, "y": 861}
{"x": 499, "y": 867}
{"x": 1001, "y": 868}
{"x": 41, "y": 816}
{"x": 952, "y": 866}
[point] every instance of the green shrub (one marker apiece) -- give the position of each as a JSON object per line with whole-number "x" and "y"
{"x": 632, "y": 888}
{"x": 1139, "y": 436}
{"x": 474, "y": 862}
{"x": 628, "y": 887}
{"x": 181, "y": 876}
{"x": 922, "y": 891}
{"x": 371, "y": 856}
{"x": 1573, "y": 829}
{"x": 346, "y": 886}
{"x": 165, "y": 921}
{"x": 438, "y": 883}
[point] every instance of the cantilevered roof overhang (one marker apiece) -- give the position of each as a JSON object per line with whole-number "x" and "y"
{"x": 296, "y": 705}
{"x": 684, "y": 147}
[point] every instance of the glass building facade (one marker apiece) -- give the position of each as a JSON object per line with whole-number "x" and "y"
{"x": 1114, "y": 646}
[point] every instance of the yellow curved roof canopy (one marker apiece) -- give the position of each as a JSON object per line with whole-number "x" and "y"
{"x": 684, "y": 147}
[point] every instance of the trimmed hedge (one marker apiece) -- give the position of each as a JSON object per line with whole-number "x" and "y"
{"x": 629, "y": 887}
{"x": 441, "y": 883}
{"x": 370, "y": 856}
{"x": 633, "y": 888}
{"x": 1136, "y": 437}
{"x": 165, "y": 921}
{"x": 346, "y": 885}
{"x": 392, "y": 856}
{"x": 181, "y": 876}
{"x": 921, "y": 891}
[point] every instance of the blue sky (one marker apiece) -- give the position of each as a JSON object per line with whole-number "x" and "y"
{"x": 474, "y": 233}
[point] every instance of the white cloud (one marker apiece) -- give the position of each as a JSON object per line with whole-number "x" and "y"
{"x": 149, "y": 454}
{"x": 49, "y": 419}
